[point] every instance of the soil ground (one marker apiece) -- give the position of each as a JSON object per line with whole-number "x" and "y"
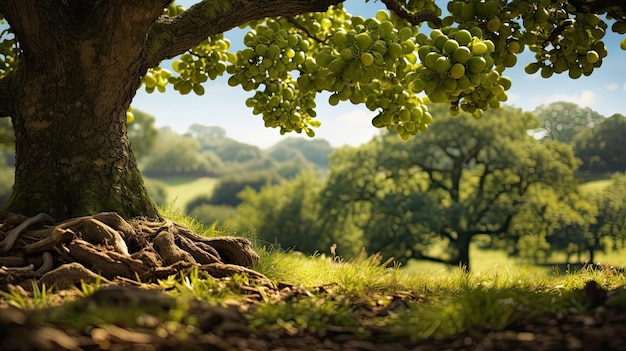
{"x": 226, "y": 327}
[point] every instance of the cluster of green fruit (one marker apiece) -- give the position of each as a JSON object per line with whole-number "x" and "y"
{"x": 494, "y": 18}
{"x": 570, "y": 44}
{"x": 205, "y": 61}
{"x": 370, "y": 62}
{"x": 457, "y": 67}
{"x": 274, "y": 50}
{"x": 156, "y": 78}
{"x": 283, "y": 106}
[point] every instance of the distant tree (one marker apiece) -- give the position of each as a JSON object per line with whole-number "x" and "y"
{"x": 560, "y": 121}
{"x": 226, "y": 192}
{"x": 210, "y": 214}
{"x": 7, "y": 136}
{"x": 142, "y": 133}
{"x": 157, "y": 191}
{"x": 206, "y": 135}
{"x": 611, "y": 213}
{"x": 175, "y": 155}
{"x": 285, "y": 214}
{"x": 602, "y": 148}
{"x": 314, "y": 151}
{"x": 462, "y": 178}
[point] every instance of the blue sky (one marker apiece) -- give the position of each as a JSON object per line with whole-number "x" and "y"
{"x": 347, "y": 124}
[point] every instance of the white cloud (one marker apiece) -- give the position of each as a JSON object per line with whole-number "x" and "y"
{"x": 611, "y": 86}
{"x": 356, "y": 117}
{"x": 586, "y": 98}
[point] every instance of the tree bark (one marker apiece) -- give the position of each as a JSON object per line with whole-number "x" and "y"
{"x": 78, "y": 73}
{"x": 462, "y": 245}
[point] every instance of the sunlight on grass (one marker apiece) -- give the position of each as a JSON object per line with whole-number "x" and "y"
{"x": 181, "y": 190}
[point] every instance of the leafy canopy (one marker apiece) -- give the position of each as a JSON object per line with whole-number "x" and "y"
{"x": 390, "y": 63}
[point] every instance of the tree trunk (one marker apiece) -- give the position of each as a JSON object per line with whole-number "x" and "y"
{"x": 78, "y": 73}
{"x": 462, "y": 245}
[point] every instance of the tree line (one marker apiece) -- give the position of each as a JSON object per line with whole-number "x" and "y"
{"x": 510, "y": 177}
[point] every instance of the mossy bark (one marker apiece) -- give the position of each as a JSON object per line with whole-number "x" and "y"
{"x": 77, "y": 75}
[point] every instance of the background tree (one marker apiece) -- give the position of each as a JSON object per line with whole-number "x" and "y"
{"x": 142, "y": 133}
{"x": 70, "y": 82}
{"x": 560, "y": 121}
{"x": 175, "y": 155}
{"x": 602, "y": 148}
{"x": 285, "y": 215}
{"x": 462, "y": 178}
{"x": 314, "y": 151}
{"x": 7, "y": 159}
{"x": 611, "y": 214}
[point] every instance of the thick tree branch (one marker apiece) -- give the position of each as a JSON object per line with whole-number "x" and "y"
{"x": 170, "y": 37}
{"x": 598, "y": 6}
{"x": 413, "y": 18}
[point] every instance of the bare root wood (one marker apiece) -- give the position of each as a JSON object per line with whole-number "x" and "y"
{"x": 97, "y": 232}
{"x": 235, "y": 250}
{"x": 107, "y": 246}
{"x": 69, "y": 275}
{"x": 48, "y": 264}
{"x": 57, "y": 236}
{"x": 9, "y": 240}
{"x": 165, "y": 246}
{"x": 109, "y": 264}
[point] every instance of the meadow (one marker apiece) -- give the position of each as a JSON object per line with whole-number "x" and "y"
{"x": 326, "y": 302}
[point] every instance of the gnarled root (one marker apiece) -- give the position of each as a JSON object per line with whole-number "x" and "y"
{"x": 107, "y": 247}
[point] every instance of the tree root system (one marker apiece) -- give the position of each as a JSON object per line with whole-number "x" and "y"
{"x": 106, "y": 247}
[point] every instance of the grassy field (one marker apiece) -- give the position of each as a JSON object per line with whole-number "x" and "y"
{"x": 181, "y": 190}
{"x": 313, "y": 299}
{"x": 594, "y": 186}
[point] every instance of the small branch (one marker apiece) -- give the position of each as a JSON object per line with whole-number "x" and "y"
{"x": 294, "y": 22}
{"x": 413, "y": 18}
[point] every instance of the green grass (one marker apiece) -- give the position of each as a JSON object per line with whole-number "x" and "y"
{"x": 594, "y": 186}
{"x": 328, "y": 291}
{"x": 181, "y": 190}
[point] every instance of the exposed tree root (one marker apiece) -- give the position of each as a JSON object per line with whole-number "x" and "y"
{"x": 105, "y": 247}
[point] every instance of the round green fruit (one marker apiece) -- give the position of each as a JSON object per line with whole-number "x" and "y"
{"x": 463, "y": 37}
{"x": 532, "y": 68}
{"x": 450, "y": 46}
{"x": 462, "y": 54}
{"x": 479, "y": 48}
{"x": 592, "y": 56}
{"x": 367, "y": 59}
{"x": 363, "y": 41}
{"x": 494, "y": 24}
{"x": 394, "y": 50}
{"x": 457, "y": 71}
{"x": 476, "y": 64}
{"x": 442, "y": 64}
